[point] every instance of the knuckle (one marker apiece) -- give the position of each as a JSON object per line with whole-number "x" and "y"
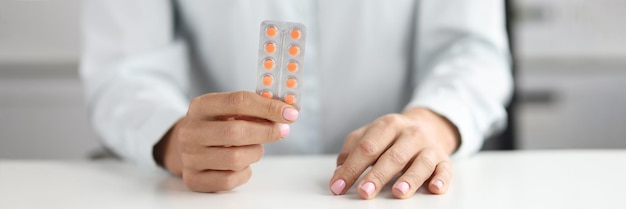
{"x": 195, "y": 102}
{"x": 350, "y": 172}
{"x": 377, "y": 176}
{"x": 391, "y": 119}
{"x": 191, "y": 182}
{"x": 353, "y": 135}
{"x": 233, "y": 180}
{"x": 227, "y": 183}
{"x": 235, "y": 159}
{"x": 233, "y": 131}
{"x": 445, "y": 174}
{"x": 272, "y": 132}
{"x": 260, "y": 151}
{"x": 186, "y": 149}
{"x": 185, "y": 138}
{"x": 417, "y": 132}
{"x": 194, "y": 165}
{"x": 272, "y": 108}
{"x": 257, "y": 154}
{"x": 183, "y": 135}
{"x": 191, "y": 164}
{"x": 238, "y": 99}
{"x": 445, "y": 171}
{"x": 368, "y": 148}
{"x": 398, "y": 157}
{"x": 413, "y": 178}
{"x": 414, "y": 130}
{"x": 428, "y": 159}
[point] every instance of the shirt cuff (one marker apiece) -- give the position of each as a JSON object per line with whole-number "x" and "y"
{"x": 159, "y": 123}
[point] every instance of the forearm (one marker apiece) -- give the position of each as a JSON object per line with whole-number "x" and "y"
{"x": 134, "y": 74}
{"x": 462, "y": 67}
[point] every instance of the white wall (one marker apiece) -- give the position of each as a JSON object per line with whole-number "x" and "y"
{"x": 42, "y": 113}
{"x": 39, "y": 31}
{"x": 583, "y": 106}
{"x": 571, "y": 29}
{"x": 574, "y": 52}
{"x": 41, "y": 104}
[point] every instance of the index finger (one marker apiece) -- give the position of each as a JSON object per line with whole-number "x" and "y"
{"x": 241, "y": 103}
{"x": 374, "y": 141}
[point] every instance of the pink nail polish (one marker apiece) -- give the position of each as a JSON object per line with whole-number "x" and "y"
{"x": 338, "y": 186}
{"x": 438, "y": 184}
{"x": 290, "y": 114}
{"x": 368, "y": 188}
{"x": 284, "y": 130}
{"x": 402, "y": 187}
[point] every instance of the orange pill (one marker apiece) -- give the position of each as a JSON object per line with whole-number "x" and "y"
{"x": 292, "y": 66}
{"x": 295, "y": 34}
{"x": 271, "y": 31}
{"x": 266, "y": 94}
{"x": 289, "y": 99}
{"x": 270, "y": 47}
{"x": 267, "y": 80}
{"x": 268, "y": 64}
{"x": 291, "y": 83}
{"x": 294, "y": 50}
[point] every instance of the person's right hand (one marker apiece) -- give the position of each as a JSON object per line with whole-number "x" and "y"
{"x": 221, "y": 135}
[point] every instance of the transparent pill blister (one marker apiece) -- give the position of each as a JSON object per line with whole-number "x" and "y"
{"x": 281, "y": 56}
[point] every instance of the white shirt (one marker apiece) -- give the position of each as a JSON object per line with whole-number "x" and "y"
{"x": 144, "y": 60}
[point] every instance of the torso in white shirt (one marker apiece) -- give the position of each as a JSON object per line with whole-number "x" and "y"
{"x": 358, "y": 63}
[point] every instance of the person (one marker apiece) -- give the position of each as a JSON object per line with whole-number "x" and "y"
{"x": 398, "y": 86}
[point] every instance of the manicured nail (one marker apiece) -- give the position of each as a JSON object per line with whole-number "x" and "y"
{"x": 290, "y": 114}
{"x": 338, "y": 186}
{"x": 438, "y": 184}
{"x": 368, "y": 188}
{"x": 402, "y": 187}
{"x": 284, "y": 130}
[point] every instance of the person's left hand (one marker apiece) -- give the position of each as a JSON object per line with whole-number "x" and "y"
{"x": 416, "y": 143}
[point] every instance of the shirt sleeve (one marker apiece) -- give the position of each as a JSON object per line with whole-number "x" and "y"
{"x": 135, "y": 74}
{"x": 462, "y": 63}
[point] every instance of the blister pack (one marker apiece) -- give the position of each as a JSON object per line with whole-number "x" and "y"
{"x": 281, "y": 56}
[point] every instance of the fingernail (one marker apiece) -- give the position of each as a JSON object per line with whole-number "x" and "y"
{"x": 368, "y": 188}
{"x": 284, "y": 130}
{"x": 438, "y": 184}
{"x": 402, "y": 187}
{"x": 338, "y": 186}
{"x": 290, "y": 114}
{"x": 337, "y": 168}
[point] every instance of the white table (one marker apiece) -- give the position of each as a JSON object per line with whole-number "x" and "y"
{"x": 521, "y": 179}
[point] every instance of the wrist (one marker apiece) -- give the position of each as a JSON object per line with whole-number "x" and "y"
{"x": 445, "y": 131}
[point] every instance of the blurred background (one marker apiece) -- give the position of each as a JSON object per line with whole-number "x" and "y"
{"x": 571, "y": 77}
